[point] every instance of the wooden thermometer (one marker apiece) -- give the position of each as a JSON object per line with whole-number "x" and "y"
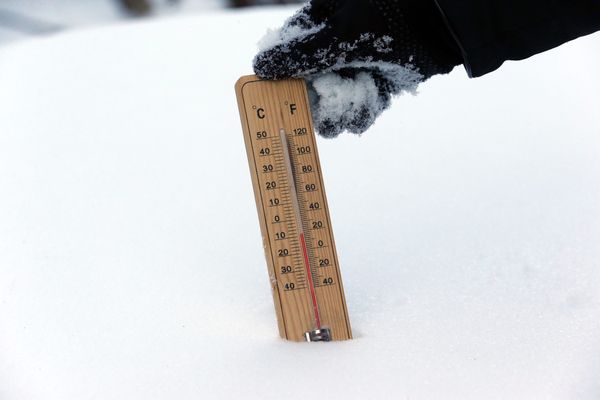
{"x": 292, "y": 209}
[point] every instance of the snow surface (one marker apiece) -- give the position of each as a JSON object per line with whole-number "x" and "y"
{"x": 467, "y": 222}
{"x": 68, "y": 14}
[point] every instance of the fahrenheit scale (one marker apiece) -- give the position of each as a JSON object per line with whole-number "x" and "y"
{"x": 292, "y": 209}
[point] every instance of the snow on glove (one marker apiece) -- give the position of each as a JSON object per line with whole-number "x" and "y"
{"x": 356, "y": 54}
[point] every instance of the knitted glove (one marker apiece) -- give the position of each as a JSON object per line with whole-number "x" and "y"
{"x": 356, "y": 54}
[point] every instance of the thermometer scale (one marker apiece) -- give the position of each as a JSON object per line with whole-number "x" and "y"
{"x": 292, "y": 210}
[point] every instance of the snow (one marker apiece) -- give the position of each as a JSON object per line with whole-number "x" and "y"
{"x": 87, "y": 12}
{"x": 467, "y": 224}
{"x": 345, "y": 102}
{"x": 296, "y": 27}
{"x": 352, "y": 104}
{"x": 19, "y": 19}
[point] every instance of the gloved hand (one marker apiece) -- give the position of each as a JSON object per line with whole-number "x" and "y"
{"x": 356, "y": 54}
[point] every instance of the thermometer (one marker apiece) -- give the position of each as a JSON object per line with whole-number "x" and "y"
{"x": 292, "y": 209}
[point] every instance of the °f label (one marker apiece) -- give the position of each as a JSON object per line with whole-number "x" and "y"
{"x": 292, "y": 208}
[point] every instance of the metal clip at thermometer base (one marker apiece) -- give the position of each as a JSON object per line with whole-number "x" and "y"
{"x": 292, "y": 209}
{"x": 318, "y": 335}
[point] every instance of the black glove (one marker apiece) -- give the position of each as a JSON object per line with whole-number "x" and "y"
{"x": 356, "y": 54}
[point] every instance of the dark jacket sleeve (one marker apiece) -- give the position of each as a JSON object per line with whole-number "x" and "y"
{"x": 490, "y": 32}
